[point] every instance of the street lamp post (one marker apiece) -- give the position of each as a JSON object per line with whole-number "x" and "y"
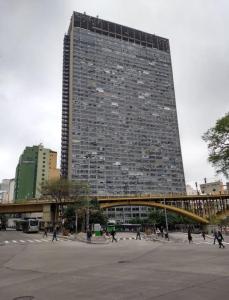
{"x": 89, "y": 156}
{"x": 166, "y": 222}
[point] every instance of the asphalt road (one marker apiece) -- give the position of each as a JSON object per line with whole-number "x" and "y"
{"x": 128, "y": 269}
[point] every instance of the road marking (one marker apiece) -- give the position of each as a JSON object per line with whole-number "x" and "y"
{"x": 30, "y": 241}
{"x": 14, "y": 241}
{"x": 6, "y": 242}
{"x": 22, "y": 241}
{"x": 37, "y": 241}
{"x": 45, "y": 240}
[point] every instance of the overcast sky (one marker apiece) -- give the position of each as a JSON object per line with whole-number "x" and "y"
{"x": 31, "y": 45}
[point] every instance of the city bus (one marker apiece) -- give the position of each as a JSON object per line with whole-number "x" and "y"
{"x": 110, "y": 225}
{"x": 28, "y": 225}
{"x": 128, "y": 227}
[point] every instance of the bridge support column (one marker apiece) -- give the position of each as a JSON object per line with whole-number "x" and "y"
{"x": 47, "y": 213}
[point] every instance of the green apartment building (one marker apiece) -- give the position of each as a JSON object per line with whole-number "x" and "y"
{"x": 36, "y": 165}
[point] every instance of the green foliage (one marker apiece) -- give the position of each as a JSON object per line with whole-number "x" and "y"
{"x": 137, "y": 221}
{"x": 63, "y": 189}
{"x": 98, "y": 217}
{"x": 224, "y": 222}
{"x": 69, "y": 212}
{"x": 157, "y": 217}
{"x": 218, "y": 145}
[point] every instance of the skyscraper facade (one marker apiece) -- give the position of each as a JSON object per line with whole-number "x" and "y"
{"x": 119, "y": 119}
{"x": 36, "y": 166}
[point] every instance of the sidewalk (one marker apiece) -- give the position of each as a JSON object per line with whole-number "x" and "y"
{"x": 81, "y": 237}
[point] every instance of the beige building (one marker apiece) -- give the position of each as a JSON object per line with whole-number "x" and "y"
{"x": 212, "y": 188}
{"x": 46, "y": 167}
{"x": 54, "y": 173}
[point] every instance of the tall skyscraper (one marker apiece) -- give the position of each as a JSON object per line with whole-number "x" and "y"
{"x": 36, "y": 165}
{"x": 119, "y": 119}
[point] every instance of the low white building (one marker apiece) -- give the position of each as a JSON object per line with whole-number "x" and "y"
{"x": 7, "y": 191}
{"x": 190, "y": 190}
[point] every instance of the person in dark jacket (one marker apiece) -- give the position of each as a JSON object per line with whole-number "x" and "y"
{"x": 89, "y": 235}
{"x": 215, "y": 235}
{"x": 113, "y": 233}
{"x": 45, "y": 232}
{"x": 203, "y": 235}
{"x": 54, "y": 236}
{"x": 138, "y": 236}
{"x": 189, "y": 236}
{"x": 220, "y": 239}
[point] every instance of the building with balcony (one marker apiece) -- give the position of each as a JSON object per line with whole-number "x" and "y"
{"x": 119, "y": 119}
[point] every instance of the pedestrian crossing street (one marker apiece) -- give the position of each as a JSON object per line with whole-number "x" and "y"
{"x": 128, "y": 238}
{"x": 28, "y": 241}
{"x": 208, "y": 243}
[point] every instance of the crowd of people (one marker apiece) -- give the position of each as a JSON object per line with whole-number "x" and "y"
{"x": 217, "y": 235}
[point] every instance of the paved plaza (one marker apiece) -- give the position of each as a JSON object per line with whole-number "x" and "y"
{"x": 129, "y": 269}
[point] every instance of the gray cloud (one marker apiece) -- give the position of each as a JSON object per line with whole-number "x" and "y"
{"x": 31, "y": 35}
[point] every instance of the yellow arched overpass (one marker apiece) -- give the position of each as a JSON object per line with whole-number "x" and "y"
{"x": 158, "y": 205}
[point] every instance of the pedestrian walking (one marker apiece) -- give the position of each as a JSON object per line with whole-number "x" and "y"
{"x": 113, "y": 233}
{"x": 215, "y": 235}
{"x": 166, "y": 235}
{"x": 138, "y": 236}
{"x": 189, "y": 236}
{"x": 45, "y": 232}
{"x": 54, "y": 236}
{"x": 220, "y": 239}
{"x": 158, "y": 232}
{"x": 203, "y": 235}
{"x": 89, "y": 234}
{"x": 162, "y": 231}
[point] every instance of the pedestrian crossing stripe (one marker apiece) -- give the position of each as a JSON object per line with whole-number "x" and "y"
{"x": 127, "y": 238}
{"x": 32, "y": 241}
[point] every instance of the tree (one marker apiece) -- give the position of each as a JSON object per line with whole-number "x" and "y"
{"x": 98, "y": 217}
{"x": 62, "y": 190}
{"x": 157, "y": 217}
{"x": 77, "y": 211}
{"x": 217, "y": 138}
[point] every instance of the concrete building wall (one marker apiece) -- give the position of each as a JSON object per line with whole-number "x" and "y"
{"x": 36, "y": 166}
{"x": 54, "y": 172}
{"x": 119, "y": 121}
{"x": 11, "y": 190}
{"x": 7, "y": 188}
{"x": 42, "y": 169}
{"x": 212, "y": 187}
{"x": 26, "y": 172}
{"x": 123, "y": 131}
{"x": 190, "y": 190}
